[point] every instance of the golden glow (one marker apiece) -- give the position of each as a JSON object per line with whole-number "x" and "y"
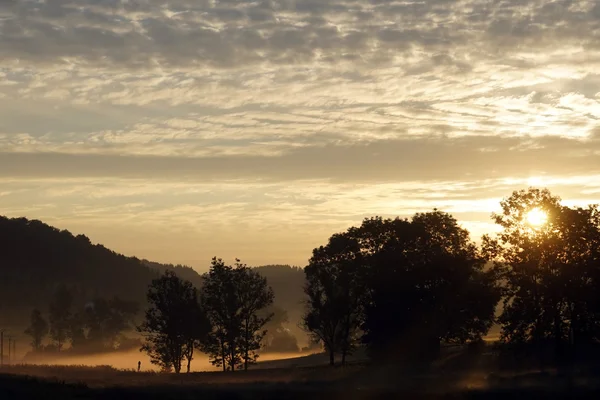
{"x": 536, "y": 217}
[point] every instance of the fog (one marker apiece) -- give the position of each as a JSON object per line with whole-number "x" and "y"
{"x": 129, "y": 360}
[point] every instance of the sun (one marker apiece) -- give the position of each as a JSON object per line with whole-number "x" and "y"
{"x": 536, "y": 217}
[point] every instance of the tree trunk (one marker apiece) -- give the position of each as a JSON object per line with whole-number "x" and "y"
{"x": 574, "y": 329}
{"x": 189, "y": 359}
{"x": 246, "y": 344}
{"x": 346, "y": 339}
{"x": 232, "y": 361}
{"x": 223, "y": 357}
{"x": 557, "y": 333}
{"x": 331, "y": 357}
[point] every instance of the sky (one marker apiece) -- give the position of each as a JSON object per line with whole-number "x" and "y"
{"x": 185, "y": 129}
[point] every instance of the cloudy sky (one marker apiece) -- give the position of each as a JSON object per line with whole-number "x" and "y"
{"x": 178, "y": 130}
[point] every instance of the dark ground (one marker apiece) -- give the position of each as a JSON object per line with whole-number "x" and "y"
{"x": 456, "y": 376}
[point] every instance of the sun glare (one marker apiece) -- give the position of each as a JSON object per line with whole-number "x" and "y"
{"x": 536, "y": 217}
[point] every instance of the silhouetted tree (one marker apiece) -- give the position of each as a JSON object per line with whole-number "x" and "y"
{"x": 77, "y": 334}
{"x": 335, "y": 294}
{"x": 105, "y": 320}
{"x": 412, "y": 284}
{"x": 219, "y": 298}
{"x": 255, "y": 295}
{"x": 197, "y": 330}
{"x": 170, "y": 321}
{"x": 60, "y": 315}
{"x": 233, "y": 298}
{"x": 427, "y": 284}
{"x": 38, "y": 329}
{"x": 550, "y": 272}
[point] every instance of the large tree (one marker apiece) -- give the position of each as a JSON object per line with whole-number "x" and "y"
{"x": 173, "y": 322}
{"x": 196, "y": 331}
{"x": 427, "y": 284}
{"x": 550, "y": 269}
{"x": 218, "y": 296}
{"x": 335, "y": 292}
{"x": 234, "y": 297}
{"x": 38, "y": 329}
{"x": 412, "y": 283}
{"x": 255, "y": 295}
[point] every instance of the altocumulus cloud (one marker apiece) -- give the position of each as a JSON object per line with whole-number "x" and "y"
{"x": 372, "y": 106}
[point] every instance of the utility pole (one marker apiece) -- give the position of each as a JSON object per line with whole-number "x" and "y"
{"x": 14, "y": 353}
{"x": 9, "y": 346}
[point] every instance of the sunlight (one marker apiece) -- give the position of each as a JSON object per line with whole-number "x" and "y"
{"x": 536, "y": 217}
{"x": 535, "y": 181}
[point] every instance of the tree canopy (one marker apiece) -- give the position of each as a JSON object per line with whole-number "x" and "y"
{"x": 400, "y": 286}
{"x": 404, "y": 284}
{"x": 550, "y": 273}
{"x": 234, "y": 297}
{"x": 174, "y": 323}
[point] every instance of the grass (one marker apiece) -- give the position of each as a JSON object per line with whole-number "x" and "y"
{"x": 458, "y": 376}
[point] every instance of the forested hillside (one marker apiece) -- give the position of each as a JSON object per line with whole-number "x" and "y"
{"x": 35, "y": 258}
{"x": 183, "y": 271}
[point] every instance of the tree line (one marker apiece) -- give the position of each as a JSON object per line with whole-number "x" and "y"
{"x": 96, "y": 327}
{"x": 223, "y": 319}
{"x": 402, "y": 287}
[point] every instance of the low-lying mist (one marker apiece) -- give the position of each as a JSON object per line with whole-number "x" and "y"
{"x": 129, "y": 360}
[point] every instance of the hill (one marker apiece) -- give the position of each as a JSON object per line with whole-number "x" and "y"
{"x": 36, "y": 258}
{"x": 182, "y": 271}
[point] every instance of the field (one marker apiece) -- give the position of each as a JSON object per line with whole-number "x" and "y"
{"x": 458, "y": 376}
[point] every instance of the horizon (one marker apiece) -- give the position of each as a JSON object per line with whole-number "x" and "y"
{"x": 201, "y": 266}
{"x": 256, "y": 129}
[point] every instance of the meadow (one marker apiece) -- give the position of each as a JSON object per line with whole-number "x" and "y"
{"x": 460, "y": 375}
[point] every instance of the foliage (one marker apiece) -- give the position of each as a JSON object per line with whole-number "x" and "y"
{"x": 427, "y": 284}
{"x": 97, "y": 327}
{"x": 37, "y": 258}
{"x": 254, "y": 295}
{"x": 335, "y": 293}
{"x": 174, "y": 323}
{"x": 233, "y": 297}
{"x": 406, "y": 285}
{"x": 60, "y": 315}
{"x": 38, "y": 329}
{"x": 550, "y": 273}
{"x": 182, "y": 271}
{"x": 104, "y": 321}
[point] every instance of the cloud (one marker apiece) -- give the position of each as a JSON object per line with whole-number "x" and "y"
{"x": 424, "y": 158}
{"x": 291, "y": 114}
{"x": 133, "y": 34}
